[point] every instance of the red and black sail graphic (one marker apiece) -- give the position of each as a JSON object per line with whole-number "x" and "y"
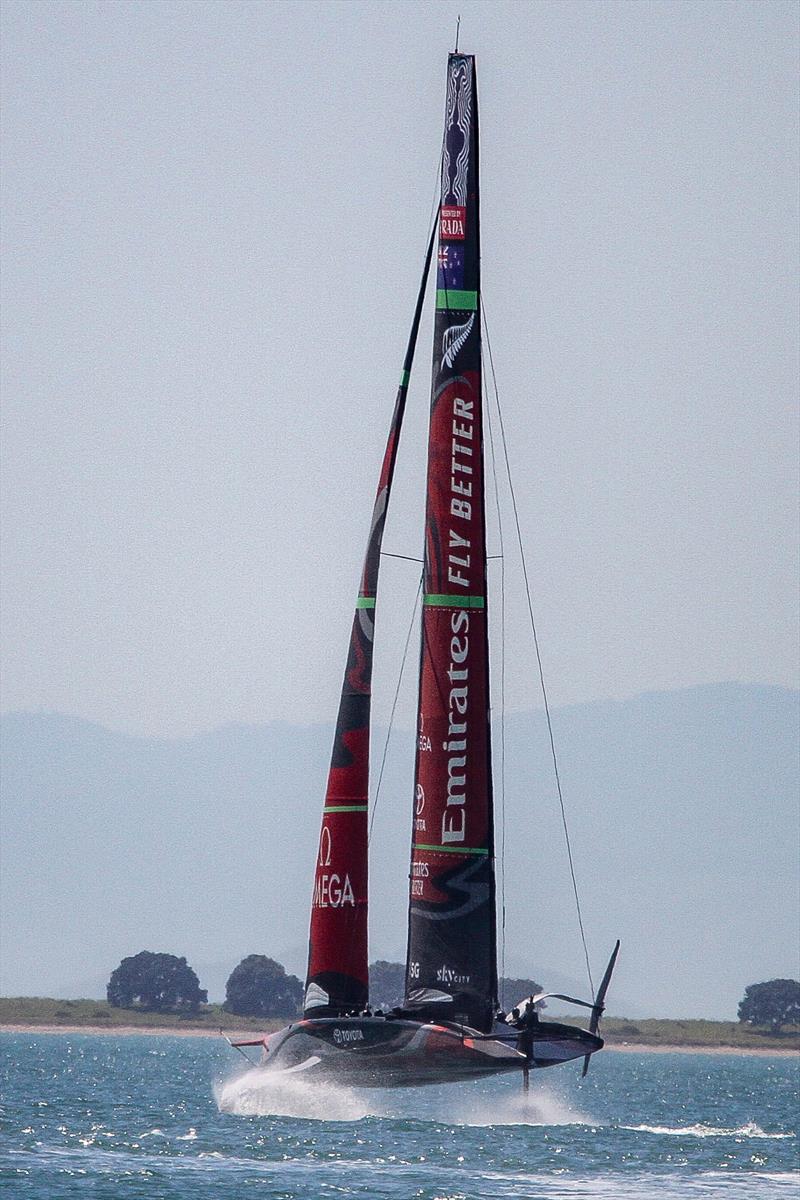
{"x": 338, "y": 978}
{"x": 451, "y": 969}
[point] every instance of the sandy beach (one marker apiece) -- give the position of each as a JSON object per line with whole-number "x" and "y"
{"x": 172, "y": 1031}
{"x": 753, "y": 1051}
{"x": 128, "y": 1030}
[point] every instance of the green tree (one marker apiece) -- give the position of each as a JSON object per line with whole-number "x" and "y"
{"x": 387, "y": 983}
{"x": 513, "y": 991}
{"x": 156, "y": 982}
{"x": 775, "y": 1003}
{"x": 260, "y": 987}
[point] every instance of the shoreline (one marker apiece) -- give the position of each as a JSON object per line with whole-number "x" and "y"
{"x": 171, "y": 1031}
{"x": 748, "y": 1051}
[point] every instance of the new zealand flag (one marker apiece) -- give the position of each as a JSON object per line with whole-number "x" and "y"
{"x": 450, "y": 276}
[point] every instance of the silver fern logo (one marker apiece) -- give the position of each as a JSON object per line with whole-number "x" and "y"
{"x": 453, "y": 339}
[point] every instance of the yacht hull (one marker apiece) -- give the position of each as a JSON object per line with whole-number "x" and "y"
{"x": 381, "y": 1052}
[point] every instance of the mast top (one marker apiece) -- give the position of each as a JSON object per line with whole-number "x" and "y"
{"x": 458, "y": 26}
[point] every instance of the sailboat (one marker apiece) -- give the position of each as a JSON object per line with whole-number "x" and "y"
{"x": 449, "y": 1026}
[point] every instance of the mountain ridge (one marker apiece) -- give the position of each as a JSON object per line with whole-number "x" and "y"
{"x": 680, "y": 806}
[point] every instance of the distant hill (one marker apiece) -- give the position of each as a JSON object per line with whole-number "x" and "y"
{"x": 682, "y": 807}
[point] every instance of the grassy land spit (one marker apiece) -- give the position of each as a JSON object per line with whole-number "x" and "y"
{"x": 706, "y": 1035}
{"x": 98, "y": 1015}
{"x": 93, "y": 1014}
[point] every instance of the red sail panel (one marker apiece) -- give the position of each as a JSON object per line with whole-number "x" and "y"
{"x": 338, "y": 978}
{"x": 451, "y": 968}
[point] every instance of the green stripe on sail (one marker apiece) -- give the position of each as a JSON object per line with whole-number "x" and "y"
{"x": 439, "y": 601}
{"x": 345, "y": 808}
{"x": 404, "y": 378}
{"x": 453, "y": 849}
{"x": 447, "y": 298}
{"x": 365, "y": 602}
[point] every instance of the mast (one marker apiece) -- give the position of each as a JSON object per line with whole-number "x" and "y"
{"x": 451, "y": 967}
{"x": 337, "y": 980}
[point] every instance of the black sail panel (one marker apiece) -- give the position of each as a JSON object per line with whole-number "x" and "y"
{"x": 451, "y": 968}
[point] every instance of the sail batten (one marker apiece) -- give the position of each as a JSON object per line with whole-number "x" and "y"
{"x": 451, "y": 969}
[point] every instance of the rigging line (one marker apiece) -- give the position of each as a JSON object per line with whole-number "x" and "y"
{"x": 501, "y": 557}
{"x": 394, "y": 707}
{"x": 407, "y": 557}
{"x": 437, "y": 191}
{"x": 538, "y": 657}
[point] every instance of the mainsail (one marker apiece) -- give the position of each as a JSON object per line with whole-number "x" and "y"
{"x": 451, "y": 968}
{"x": 338, "y": 977}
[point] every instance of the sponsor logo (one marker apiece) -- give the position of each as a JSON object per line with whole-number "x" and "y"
{"x": 345, "y": 1037}
{"x": 419, "y": 872}
{"x": 454, "y": 815}
{"x": 458, "y": 562}
{"x": 446, "y": 975}
{"x": 453, "y": 223}
{"x": 461, "y": 480}
{"x": 419, "y": 821}
{"x": 330, "y": 891}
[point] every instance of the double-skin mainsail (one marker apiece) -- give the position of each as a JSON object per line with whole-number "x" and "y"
{"x": 451, "y": 970}
{"x": 444, "y": 1029}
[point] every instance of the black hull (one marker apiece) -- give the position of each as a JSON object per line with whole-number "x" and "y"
{"x": 381, "y": 1052}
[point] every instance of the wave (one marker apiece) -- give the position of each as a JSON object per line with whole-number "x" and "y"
{"x": 262, "y": 1093}
{"x": 299, "y": 1176}
{"x": 706, "y": 1185}
{"x": 542, "y": 1109}
{"x": 750, "y": 1130}
{"x": 268, "y": 1093}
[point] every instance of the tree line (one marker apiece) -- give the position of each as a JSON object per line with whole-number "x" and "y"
{"x": 259, "y": 986}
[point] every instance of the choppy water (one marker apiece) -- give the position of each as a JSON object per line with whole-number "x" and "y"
{"x": 165, "y": 1118}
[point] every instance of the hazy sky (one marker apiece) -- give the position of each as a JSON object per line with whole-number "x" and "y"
{"x": 215, "y": 216}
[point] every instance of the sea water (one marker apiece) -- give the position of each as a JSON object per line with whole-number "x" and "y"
{"x": 184, "y": 1117}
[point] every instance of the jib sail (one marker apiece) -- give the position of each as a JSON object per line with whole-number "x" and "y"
{"x": 338, "y": 978}
{"x": 451, "y": 970}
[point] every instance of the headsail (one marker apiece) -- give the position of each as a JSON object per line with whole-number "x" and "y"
{"x": 338, "y": 978}
{"x": 451, "y": 970}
